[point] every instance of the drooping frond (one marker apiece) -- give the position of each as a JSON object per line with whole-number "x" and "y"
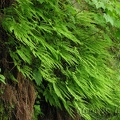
{"x": 53, "y": 42}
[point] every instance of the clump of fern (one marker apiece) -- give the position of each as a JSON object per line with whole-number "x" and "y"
{"x": 51, "y": 41}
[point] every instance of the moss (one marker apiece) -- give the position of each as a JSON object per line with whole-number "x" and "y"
{"x": 5, "y": 111}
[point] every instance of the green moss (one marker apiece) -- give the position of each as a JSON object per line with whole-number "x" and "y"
{"x": 5, "y": 111}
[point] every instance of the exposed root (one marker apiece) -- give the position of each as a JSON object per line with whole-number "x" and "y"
{"x": 22, "y": 97}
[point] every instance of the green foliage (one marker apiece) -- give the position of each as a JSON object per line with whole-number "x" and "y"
{"x": 52, "y": 42}
{"x": 111, "y": 10}
{"x": 2, "y": 78}
{"x": 37, "y": 111}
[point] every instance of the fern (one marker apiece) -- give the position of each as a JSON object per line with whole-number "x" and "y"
{"x": 2, "y": 78}
{"x": 67, "y": 49}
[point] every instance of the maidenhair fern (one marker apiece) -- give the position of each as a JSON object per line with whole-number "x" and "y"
{"x": 67, "y": 48}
